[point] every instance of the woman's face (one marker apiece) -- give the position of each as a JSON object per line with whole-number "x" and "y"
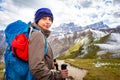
{"x": 45, "y": 23}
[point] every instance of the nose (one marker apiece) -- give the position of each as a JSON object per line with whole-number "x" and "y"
{"x": 48, "y": 21}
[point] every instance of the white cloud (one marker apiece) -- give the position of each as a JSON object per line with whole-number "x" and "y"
{"x": 64, "y": 11}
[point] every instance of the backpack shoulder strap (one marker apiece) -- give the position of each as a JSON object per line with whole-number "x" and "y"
{"x": 46, "y": 47}
{"x": 30, "y": 31}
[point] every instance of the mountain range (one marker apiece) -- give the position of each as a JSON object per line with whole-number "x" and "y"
{"x": 68, "y": 35}
{"x": 65, "y": 28}
{"x": 89, "y": 43}
{"x": 65, "y": 37}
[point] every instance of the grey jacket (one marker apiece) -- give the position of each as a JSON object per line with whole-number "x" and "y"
{"x": 41, "y": 65}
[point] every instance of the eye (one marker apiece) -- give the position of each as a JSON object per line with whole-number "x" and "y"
{"x": 47, "y": 18}
{"x": 50, "y": 19}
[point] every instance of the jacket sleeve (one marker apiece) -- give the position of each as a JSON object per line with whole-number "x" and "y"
{"x": 36, "y": 59}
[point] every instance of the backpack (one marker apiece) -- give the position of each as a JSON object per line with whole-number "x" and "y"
{"x": 16, "y": 54}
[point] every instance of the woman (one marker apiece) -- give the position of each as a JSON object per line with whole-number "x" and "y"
{"x": 41, "y": 65}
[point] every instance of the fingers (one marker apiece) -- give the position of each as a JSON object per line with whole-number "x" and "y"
{"x": 64, "y": 73}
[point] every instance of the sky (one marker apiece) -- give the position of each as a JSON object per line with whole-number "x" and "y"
{"x": 81, "y": 12}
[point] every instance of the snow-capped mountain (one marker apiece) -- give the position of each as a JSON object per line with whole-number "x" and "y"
{"x": 71, "y": 27}
{"x": 2, "y": 44}
{"x": 99, "y": 25}
{"x": 2, "y": 39}
{"x": 100, "y": 43}
{"x": 110, "y": 45}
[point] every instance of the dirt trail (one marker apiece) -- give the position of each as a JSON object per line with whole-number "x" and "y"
{"x": 76, "y": 73}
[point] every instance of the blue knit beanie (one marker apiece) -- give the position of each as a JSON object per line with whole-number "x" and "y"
{"x": 43, "y": 12}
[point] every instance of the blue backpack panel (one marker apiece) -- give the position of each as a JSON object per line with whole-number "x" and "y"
{"x": 15, "y": 68}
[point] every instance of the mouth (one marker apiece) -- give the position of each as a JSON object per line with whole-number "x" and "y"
{"x": 47, "y": 27}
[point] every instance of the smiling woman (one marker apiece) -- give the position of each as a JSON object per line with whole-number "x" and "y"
{"x": 20, "y": 62}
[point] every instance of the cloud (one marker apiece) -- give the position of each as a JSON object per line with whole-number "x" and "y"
{"x": 116, "y": 2}
{"x": 86, "y": 3}
{"x": 24, "y": 10}
{"x": 10, "y": 12}
{"x": 1, "y": 9}
{"x": 81, "y": 12}
{"x": 24, "y": 3}
{"x": 32, "y": 3}
{"x": 117, "y": 14}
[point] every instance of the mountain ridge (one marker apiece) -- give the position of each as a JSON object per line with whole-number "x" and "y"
{"x": 62, "y": 40}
